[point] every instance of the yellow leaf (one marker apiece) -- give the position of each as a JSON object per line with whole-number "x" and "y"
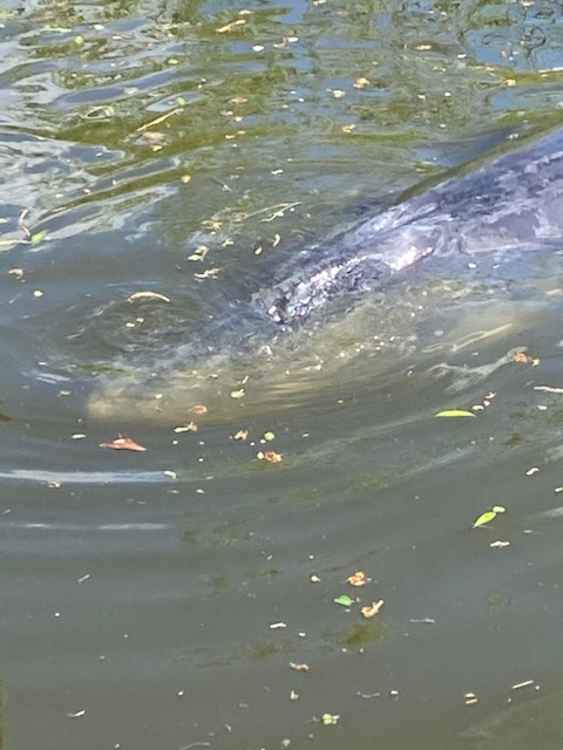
{"x": 455, "y": 413}
{"x": 486, "y": 517}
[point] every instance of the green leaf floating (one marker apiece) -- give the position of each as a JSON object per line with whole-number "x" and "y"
{"x": 489, "y": 515}
{"x": 455, "y": 413}
{"x": 38, "y": 237}
{"x": 344, "y": 600}
{"x": 486, "y": 517}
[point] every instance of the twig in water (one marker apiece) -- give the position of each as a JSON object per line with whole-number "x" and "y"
{"x": 22, "y": 225}
{"x": 158, "y": 120}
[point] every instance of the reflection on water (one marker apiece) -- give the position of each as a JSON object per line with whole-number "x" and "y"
{"x": 172, "y": 598}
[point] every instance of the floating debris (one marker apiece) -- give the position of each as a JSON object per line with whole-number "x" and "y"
{"x": 488, "y": 516}
{"x": 77, "y": 714}
{"x": 211, "y": 273}
{"x": 161, "y": 118}
{"x": 328, "y": 720}
{"x": 549, "y": 388}
{"x": 372, "y": 609}
{"x": 454, "y": 413}
{"x": 190, "y": 427}
{"x": 299, "y": 667}
{"x": 522, "y": 358}
{"x": 124, "y": 444}
{"x": 199, "y": 253}
{"x": 146, "y": 296}
{"x": 359, "y": 578}
{"x": 344, "y": 600}
{"x": 231, "y": 26}
{"x": 270, "y": 457}
{"x": 520, "y": 685}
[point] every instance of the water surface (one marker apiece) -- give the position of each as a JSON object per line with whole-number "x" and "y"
{"x": 187, "y": 149}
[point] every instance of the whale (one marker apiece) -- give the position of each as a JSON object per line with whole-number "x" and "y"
{"x": 512, "y": 203}
{"x": 282, "y": 342}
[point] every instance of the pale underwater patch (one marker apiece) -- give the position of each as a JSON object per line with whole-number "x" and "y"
{"x": 457, "y": 335}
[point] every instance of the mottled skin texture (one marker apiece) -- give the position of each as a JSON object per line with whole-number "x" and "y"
{"x": 511, "y": 203}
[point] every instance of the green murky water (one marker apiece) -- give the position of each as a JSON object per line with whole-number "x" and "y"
{"x": 170, "y": 598}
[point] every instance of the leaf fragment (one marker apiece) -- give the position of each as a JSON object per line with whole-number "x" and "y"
{"x": 230, "y": 26}
{"x": 145, "y": 296}
{"x": 328, "y": 720}
{"x": 190, "y": 427}
{"x": 299, "y": 667}
{"x": 361, "y": 83}
{"x": 199, "y": 253}
{"x": 372, "y": 609}
{"x": 38, "y": 237}
{"x": 211, "y": 273}
{"x": 523, "y": 358}
{"x": 124, "y": 444}
{"x": 344, "y": 600}
{"x": 484, "y": 518}
{"x": 358, "y": 578}
{"x": 454, "y": 413}
{"x": 270, "y": 456}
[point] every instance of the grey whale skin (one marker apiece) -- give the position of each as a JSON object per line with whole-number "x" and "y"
{"x": 511, "y": 203}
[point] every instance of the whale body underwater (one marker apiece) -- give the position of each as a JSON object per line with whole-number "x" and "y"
{"x": 510, "y": 203}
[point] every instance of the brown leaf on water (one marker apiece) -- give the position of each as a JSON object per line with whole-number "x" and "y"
{"x": 199, "y": 409}
{"x": 270, "y": 456}
{"x": 124, "y": 444}
{"x": 373, "y": 609}
{"x": 241, "y": 435}
{"x": 359, "y": 578}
